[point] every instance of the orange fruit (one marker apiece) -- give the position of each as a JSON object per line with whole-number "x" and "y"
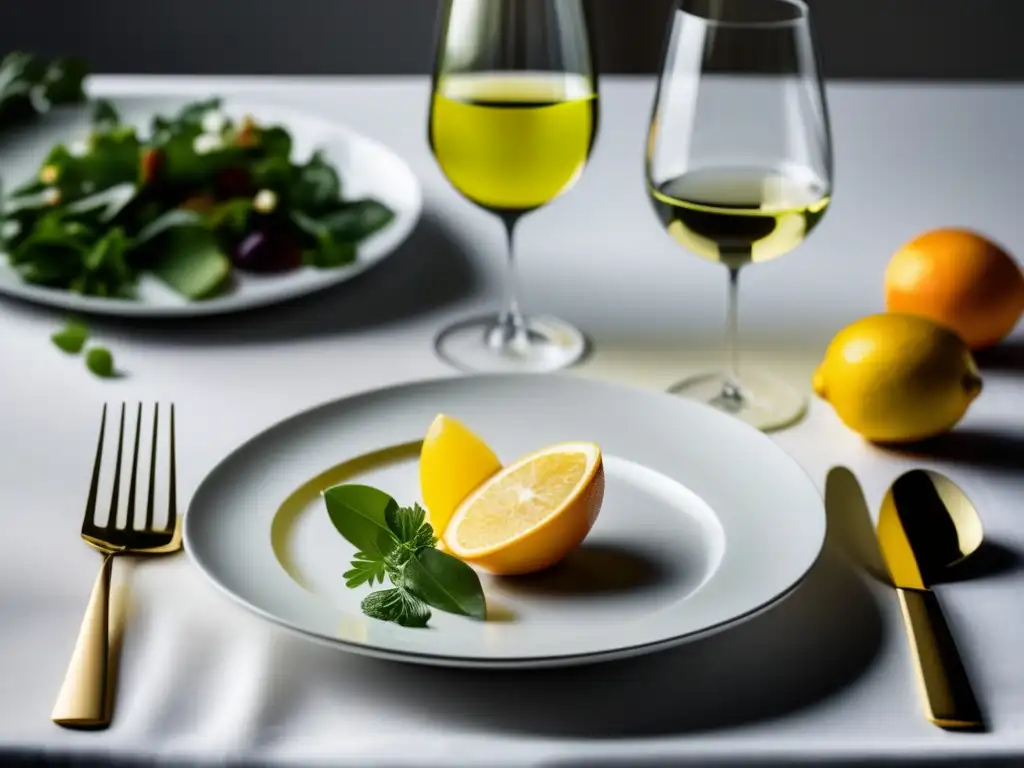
{"x": 959, "y": 279}
{"x": 531, "y": 514}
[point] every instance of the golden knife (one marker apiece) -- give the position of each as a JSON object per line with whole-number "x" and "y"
{"x": 917, "y": 534}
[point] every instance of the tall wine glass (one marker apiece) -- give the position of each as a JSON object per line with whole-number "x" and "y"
{"x": 513, "y": 119}
{"x": 739, "y": 162}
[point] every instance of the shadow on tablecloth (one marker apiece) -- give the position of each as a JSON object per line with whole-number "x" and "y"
{"x": 429, "y": 271}
{"x": 807, "y": 648}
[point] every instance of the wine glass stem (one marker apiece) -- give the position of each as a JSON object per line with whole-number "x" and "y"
{"x": 731, "y": 390}
{"x": 510, "y": 331}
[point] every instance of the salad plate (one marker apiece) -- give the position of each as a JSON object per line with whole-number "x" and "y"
{"x": 367, "y": 171}
{"x": 705, "y": 522}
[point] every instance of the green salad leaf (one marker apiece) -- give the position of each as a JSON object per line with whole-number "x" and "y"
{"x": 30, "y": 85}
{"x": 104, "y": 115}
{"x": 71, "y": 338}
{"x": 190, "y": 260}
{"x": 100, "y": 361}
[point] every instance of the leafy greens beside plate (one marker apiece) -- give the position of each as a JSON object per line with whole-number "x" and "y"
{"x": 200, "y": 196}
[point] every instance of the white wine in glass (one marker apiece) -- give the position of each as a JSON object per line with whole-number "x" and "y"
{"x": 739, "y": 162}
{"x": 513, "y": 120}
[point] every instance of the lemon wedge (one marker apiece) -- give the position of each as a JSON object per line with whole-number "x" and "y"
{"x": 531, "y": 514}
{"x": 453, "y": 462}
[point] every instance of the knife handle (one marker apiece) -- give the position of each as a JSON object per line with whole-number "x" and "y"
{"x": 949, "y": 700}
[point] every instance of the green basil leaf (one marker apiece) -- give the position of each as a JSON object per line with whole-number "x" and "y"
{"x": 359, "y": 513}
{"x": 446, "y": 583}
{"x": 397, "y": 605}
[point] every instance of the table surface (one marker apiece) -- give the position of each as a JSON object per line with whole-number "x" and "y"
{"x": 824, "y": 677}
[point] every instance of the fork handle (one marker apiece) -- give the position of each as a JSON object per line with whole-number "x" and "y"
{"x": 82, "y": 702}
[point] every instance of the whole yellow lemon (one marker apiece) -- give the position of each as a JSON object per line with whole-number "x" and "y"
{"x": 896, "y": 378}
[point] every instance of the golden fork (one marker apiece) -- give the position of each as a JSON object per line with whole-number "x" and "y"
{"x": 84, "y": 700}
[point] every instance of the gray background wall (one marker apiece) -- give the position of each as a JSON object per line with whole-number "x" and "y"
{"x": 898, "y": 39}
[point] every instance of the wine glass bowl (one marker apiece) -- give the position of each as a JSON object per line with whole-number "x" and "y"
{"x": 739, "y": 161}
{"x": 513, "y": 120}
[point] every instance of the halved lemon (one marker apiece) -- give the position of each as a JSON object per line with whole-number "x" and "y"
{"x": 453, "y": 462}
{"x": 531, "y": 514}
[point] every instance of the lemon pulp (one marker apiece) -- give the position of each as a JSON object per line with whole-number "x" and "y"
{"x": 521, "y": 500}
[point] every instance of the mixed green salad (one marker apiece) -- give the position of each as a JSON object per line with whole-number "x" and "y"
{"x": 199, "y": 196}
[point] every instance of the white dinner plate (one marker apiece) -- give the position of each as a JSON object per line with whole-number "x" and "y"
{"x": 367, "y": 169}
{"x": 705, "y": 522}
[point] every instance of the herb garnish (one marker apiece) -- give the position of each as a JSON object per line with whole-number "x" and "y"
{"x": 397, "y": 543}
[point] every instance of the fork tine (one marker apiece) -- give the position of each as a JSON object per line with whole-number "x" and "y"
{"x": 152, "y": 470}
{"x": 115, "y": 496}
{"x": 90, "y": 505}
{"x": 172, "y": 494}
{"x": 130, "y": 523}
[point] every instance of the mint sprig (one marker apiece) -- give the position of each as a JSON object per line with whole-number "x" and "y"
{"x": 365, "y": 570}
{"x": 398, "y": 605}
{"x": 398, "y": 544}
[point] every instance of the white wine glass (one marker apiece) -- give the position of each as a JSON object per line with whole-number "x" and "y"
{"x": 513, "y": 120}
{"x": 739, "y": 162}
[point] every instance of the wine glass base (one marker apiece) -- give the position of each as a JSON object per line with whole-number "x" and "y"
{"x": 477, "y": 346}
{"x": 764, "y": 402}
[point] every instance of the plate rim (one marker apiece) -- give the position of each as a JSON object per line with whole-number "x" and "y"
{"x": 495, "y": 663}
{"x": 101, "y": 307}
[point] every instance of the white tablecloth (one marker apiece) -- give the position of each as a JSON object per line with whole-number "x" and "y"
{"x": 825, "y": 677}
